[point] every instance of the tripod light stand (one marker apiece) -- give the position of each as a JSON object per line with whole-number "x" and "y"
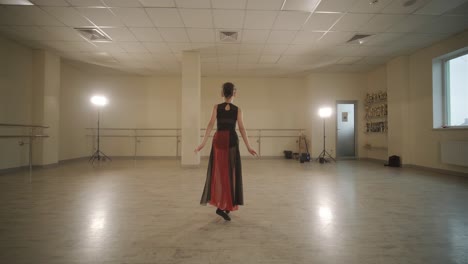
{"x": 324, "y": 113}
{"x": 99, "y": 101}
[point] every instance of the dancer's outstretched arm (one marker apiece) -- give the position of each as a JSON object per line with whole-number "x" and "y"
{"x": 208, "y": 129}
{"x": 240, "y": 122}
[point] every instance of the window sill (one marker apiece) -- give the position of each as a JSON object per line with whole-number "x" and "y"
{"x": 450, "y": 128}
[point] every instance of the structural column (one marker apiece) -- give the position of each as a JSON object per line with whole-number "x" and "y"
{"x": 398, "y": 108}
{"x": 46, "y": 106}
{"x": 191, "y": 108}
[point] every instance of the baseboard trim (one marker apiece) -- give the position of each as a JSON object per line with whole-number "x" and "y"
{"x": 412, "y": 166}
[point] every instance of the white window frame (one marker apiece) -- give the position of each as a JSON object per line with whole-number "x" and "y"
{"x": 441, "y": 98}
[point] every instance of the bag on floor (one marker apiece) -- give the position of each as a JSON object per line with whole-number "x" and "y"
{"x": 394, "y": 161}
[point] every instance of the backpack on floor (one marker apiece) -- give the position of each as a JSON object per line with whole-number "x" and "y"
{"x": 394, "y": 161}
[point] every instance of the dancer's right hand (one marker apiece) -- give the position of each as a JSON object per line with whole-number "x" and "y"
{"x": 199, "y": 148}
{"x": 253, "y": 152}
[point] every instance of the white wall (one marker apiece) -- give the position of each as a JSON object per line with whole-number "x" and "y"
{"x": 15, "y": 100}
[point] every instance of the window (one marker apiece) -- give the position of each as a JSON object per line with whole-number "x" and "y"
{"x": 450, "y": 90}
{"x": 456, "y": 91}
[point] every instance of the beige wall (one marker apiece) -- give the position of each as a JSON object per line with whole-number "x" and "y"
{"x": 15, "y": 100}
{"x": 325, "y": 90}
{"x": 376, "y": 81}
{"x": 408, "y": 81}
{"x": 424, "y": 141}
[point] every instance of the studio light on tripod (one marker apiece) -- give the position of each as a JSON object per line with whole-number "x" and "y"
{"x": 324, "y": 113}
{"x": 99, "y": 101}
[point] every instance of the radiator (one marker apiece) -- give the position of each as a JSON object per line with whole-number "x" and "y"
{"x": 454, "y": 152}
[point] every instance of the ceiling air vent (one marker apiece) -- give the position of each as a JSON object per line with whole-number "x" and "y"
{"x": 94, "y": 34}
{"x": 228, "y": 36}
{"x": 358, "y": 38}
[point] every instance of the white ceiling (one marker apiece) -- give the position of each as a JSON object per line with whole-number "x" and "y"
{"x": 276, "y": 37}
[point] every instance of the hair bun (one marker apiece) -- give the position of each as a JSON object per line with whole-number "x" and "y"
{"x": 228, "y": 89}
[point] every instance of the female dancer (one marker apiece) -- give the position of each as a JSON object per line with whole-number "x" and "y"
{"x": 223, "y": 186}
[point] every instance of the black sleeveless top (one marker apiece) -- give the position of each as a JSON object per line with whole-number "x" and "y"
{"x": 226, "y": 119}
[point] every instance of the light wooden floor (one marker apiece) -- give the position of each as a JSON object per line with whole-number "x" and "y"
{"x": 148, "y": 212}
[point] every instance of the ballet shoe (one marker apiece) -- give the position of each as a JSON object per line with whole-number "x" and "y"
{"x": 223, "y": 214}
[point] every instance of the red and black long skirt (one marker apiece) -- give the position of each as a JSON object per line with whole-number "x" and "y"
{"x": 223, "y": 186}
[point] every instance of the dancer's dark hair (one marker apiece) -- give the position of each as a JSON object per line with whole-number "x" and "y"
{"x": 228, "y": 89}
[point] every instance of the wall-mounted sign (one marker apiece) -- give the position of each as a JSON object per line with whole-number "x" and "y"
{"x": 344, "y": 117}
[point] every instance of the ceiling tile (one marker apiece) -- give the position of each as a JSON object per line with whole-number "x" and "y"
{"x": 165, "y": 17}
{"x": 334, "y": 5}
{"x": 269, "y": 58}
{"x": 438, "y": 7}
{"x": 411, "y": 23}
{"x": 375, "y": 60}
{"x": 301, "y": 5}
{"x": 281, "y": 36}
{"x": 250, "y": 58}
{"x": 290, "y": 20}
{"x": 132, "y": 46}
{"x": 260, "y": 19}
{"x": 251, "y": 48}
{"x": 352, "y": 22}
{"x": 122, "y": 3}
{"x": 71, "y": 45}
{"x": 174, "y": 34}
{"x": 9, "y": 16}
{"x": 458, "y": 10}
{"x": 255, "y": 36}
{"x": 383, "y": 39}
{"x": 398, "y": 7}
{"x": 228, "y": 48}
{"x": 201, "y": 34}
{"x": 110, "y": 47}
{"x": 197, "y": 18}
{"x": 146, "y": 34}
{"x": 180, "y": 47}
{"x": 119, "y": 34}
{"x": 86, "y": 3}
{"x": 228, "y": 4}
{"x": 446, "y": 24}
{"x": 228, "y": 18}
{"x": 274, "y": 49}
{"x": 307, "y": 37}
{"x": 63, "y": 33}
{"x": 158, "y": 3}
{"x": 321, "y": 21}
{"x": 133, "y": 17}
{"x": 299, "y": 50}
{"x": 334, "y": 38}
{"x": 27, "y": 15}
{"x": 193, "y": 3}
{"x": 264, "y": 4}
{"x": 101, "y": 17}
{"x": 157, "y": 47}
{"x": 380, "y": 23}
{"x": 363, "y": 6}
{"x": 50, "y": 2}
{"x": 69, "y": 16}
{"x": 348, "y": 60}
{"x": 298, "y": 60}
{"x": 27, "y": 33}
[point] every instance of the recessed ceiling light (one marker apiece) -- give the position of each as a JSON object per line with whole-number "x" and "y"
{"x": 15, "y": 2}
